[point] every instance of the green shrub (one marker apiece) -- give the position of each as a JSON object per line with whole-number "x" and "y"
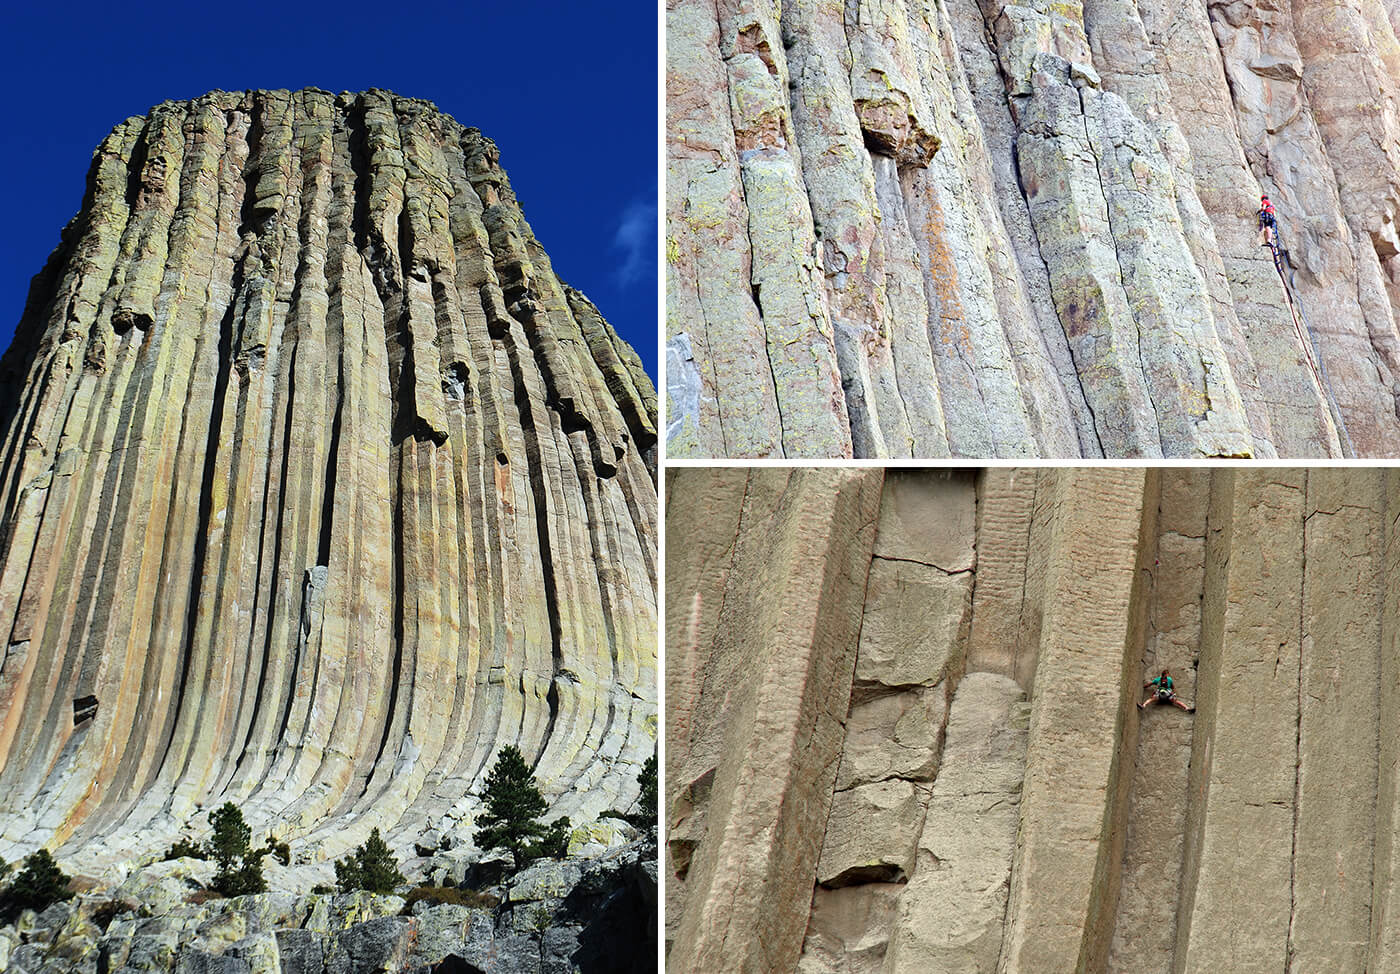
{"x": 323, "y": 888}
{"x": 647, "y": 779}
{"x": 539, "y": 921}
{"x": 278, "y": 850}
{"x": 185, "y": 849}
{"x": 555, "y": 844}
{"x": 370, "y": 867}
{"x": 38, "y": 885}
{"x": 436, "y": 895}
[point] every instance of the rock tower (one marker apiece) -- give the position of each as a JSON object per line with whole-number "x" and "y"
{"x": 317, "y": 487}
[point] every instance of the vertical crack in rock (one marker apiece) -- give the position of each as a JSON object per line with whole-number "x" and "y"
{"x": 205, "y": 524}
{"x": 1303, "y": 634}
{"x": 768, "y": 354}
{"x": 776, "y": 740}
{"x": 541, "y": 510}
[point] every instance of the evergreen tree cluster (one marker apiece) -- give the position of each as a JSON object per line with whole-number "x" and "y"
{"x": 230, "y": 845}
{"x": 35, "y": 887}
{"x": 370, "y": 867}
{"x": 513, "y": 805}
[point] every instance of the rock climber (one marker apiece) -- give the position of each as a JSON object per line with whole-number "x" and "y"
{"x": 1268, "y": 227}
{"x": 1165, "y": 693}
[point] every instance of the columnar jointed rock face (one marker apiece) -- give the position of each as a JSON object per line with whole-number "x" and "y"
{"x": 995, "y": 802}
{"x": 992, "y": 228}
{"x": 317, "y": 487}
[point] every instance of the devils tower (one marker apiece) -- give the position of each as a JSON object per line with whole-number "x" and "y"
{"x": 317, "y": 488}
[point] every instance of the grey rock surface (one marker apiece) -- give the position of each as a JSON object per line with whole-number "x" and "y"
{"x": 988, "y": 228}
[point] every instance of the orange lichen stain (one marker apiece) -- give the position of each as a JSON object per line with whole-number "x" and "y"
{"x": 503, "y": 488}
{"x": 943, "y": 277}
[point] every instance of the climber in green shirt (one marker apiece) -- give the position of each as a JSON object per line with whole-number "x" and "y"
{"x": 1165, "y": 692}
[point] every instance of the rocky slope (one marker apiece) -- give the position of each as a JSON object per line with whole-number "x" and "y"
{"x": 317, "y": 487}
{"x": 571, "y": 915}
{"x": 985, "y": 228}
{"x": 933, "y": 760}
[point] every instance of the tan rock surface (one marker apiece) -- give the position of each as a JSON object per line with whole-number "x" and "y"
{"x": 986, "y": 228}
{"x": 871, "y": 831}
{"x": 1147, "y": 898}
{"x": 1384, "y": 950}
{"x": 324, "y": 486}
{"x": 914, "y": 618}
{"x": 893, "y": 735}
{"x": 1058, "y": 827}
{"x": 780, "y": 665}
{"x": 849, "y": 929}
{"x": 1064, "y": 882}
{"x": 951, "y": 914}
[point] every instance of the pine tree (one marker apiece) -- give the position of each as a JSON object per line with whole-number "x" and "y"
{"x": 370, "y": 867}
{"x": 513, "y": 802}
{"x": 240, "y": 867}
{"x": 229, "y": 843}
{"x": 39, "y": 884}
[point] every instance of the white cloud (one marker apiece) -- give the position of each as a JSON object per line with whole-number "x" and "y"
{"x": 634, "y": 239}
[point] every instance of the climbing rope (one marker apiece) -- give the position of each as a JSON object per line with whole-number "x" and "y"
{"x": 1303, "y": 328}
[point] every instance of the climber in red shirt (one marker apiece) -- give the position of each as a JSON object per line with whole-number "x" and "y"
{"x": 1268, "y": 227}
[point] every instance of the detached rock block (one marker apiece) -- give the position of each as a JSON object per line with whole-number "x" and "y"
{"x": 870, "y": 834}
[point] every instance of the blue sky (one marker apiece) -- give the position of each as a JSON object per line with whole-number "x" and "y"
{"x": 567, "y": 90}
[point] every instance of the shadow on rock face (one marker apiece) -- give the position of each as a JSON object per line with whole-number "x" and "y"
{"x": 618, "y": 908}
